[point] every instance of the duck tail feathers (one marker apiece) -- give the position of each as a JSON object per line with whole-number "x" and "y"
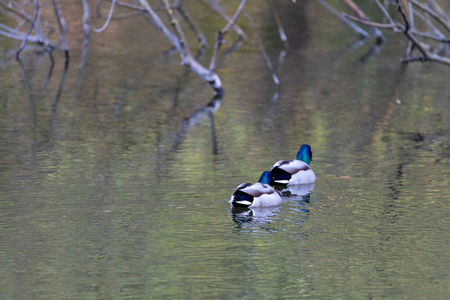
{"x": 280, "y": 176}
{"x": 240, "y": 199}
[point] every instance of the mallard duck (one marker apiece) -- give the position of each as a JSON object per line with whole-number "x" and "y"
{"x": 260, "y": 194}
{"x": 296, "y": 171}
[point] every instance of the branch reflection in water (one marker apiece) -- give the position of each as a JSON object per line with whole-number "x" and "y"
{"x": 34, "y": 97}
{"x": 207, "y": 111}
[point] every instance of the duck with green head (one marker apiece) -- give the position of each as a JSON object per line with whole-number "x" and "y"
{"x": 296, "y": 171}
{"x": 260, "y": 194}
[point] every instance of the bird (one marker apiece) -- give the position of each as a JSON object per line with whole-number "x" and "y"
{"x": 260, "y": 194}
{"x": 296, "y": 171}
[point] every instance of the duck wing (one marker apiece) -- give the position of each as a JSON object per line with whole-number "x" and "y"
{"x": 246, "y": 193}
{"x": 291, "y": 166}
{"x": 255, "y": 189}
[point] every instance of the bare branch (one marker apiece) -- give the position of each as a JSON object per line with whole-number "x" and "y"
{"x": 186, "y": 58}
{"x": 218, "y": 43}
{"x": 86, "y": 17}
{"x": 347, "y": 22}
{"x": 17, "y": 35}
{"x": 232, "y": 21}
{"x": 36, "y": 13}
{"x": 429, "y": 57}
{"x": 361, "y": 15}
{"x": 215, "y": 5}
{"x": 407, "y": 31}
{"x": 111, "y": 10}
{"x": 130, "y": 6}
{"x": 178, "y": 31}
{"x": 435, "y": 15}
{"x": 263, "y": 51}
{"x": 281, "y": 32}
{"x": 369, "y": 23}
{"x": 385, "y": 12}
{"x": 221, "y": 34}
{"x": 62, "y": 29}
{"x": 184, "y": 14}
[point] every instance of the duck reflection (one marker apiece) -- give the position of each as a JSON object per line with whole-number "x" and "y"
{"x": 300, "y": 191}
{"x": 298, "y": 197}
{"x": 255, "y": 216}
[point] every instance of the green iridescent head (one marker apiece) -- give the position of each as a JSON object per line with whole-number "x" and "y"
{"x": 305, "y": 154}
{"x": 266, "y": 178}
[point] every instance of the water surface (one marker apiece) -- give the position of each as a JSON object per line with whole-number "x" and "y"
{"x": 118, "y": 187}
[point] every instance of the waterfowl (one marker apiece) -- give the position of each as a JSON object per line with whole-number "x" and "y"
{"x": 296, "y": 171}
{"x": 260, "y": 194}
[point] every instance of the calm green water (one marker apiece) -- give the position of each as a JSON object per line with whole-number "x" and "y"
{"x": 119, "y": 187}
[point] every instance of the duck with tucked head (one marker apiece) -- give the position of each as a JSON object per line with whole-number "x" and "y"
{"x": 260, "y": 194}
{"x": 296, "y": 171}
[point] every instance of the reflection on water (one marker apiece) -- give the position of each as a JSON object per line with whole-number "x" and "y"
{"x": 197, "y": 116}
{"x": 256, "y": 216}
{"x": 301, "y": 191}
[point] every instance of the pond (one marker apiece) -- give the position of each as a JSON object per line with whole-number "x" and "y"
{"x": 115, "y": 177}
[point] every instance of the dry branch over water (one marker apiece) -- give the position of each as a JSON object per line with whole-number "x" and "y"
{"x": 424, "y": 24}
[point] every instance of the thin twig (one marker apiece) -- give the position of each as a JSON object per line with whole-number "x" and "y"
{"x": 187, "y": 18}
{"x": 431, "y": 26}
{"x": 221, "y": 34}
{"x": 206, "y": 75}
{"x": 232, "y": 21}
{"x": 347, "y": 22}
{"x": 385, "y": 12}
{"x": 435, "y": 15}
{"x": 263, "y": 51}
{"x": 431, "y": 37}
{"x": 281, "y": 31}
{"x": 159, "y": 25}
{"x": 87, "y": 32}
{"x": 36, "y": 13}
{"x": 429, "y": 57}
{"x": 111, "y": 10}
{"x": 361, "y": 15}
{"x": 62, "y": 29}
{"x": 23, "y": 15}
{"x": 17, "y": 35}
{"x": 215, "y": 5}
{"x": 130, "y": 6}
{"x": 178, "y": 31}
{"x": 411, "y": 37}
{"x": 123, "y": 15}
{"x": 369, "y": 23}
{"x": 217, "y": 44}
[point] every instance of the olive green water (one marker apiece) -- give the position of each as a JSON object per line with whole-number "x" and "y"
{"x": 118, "y": 188}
